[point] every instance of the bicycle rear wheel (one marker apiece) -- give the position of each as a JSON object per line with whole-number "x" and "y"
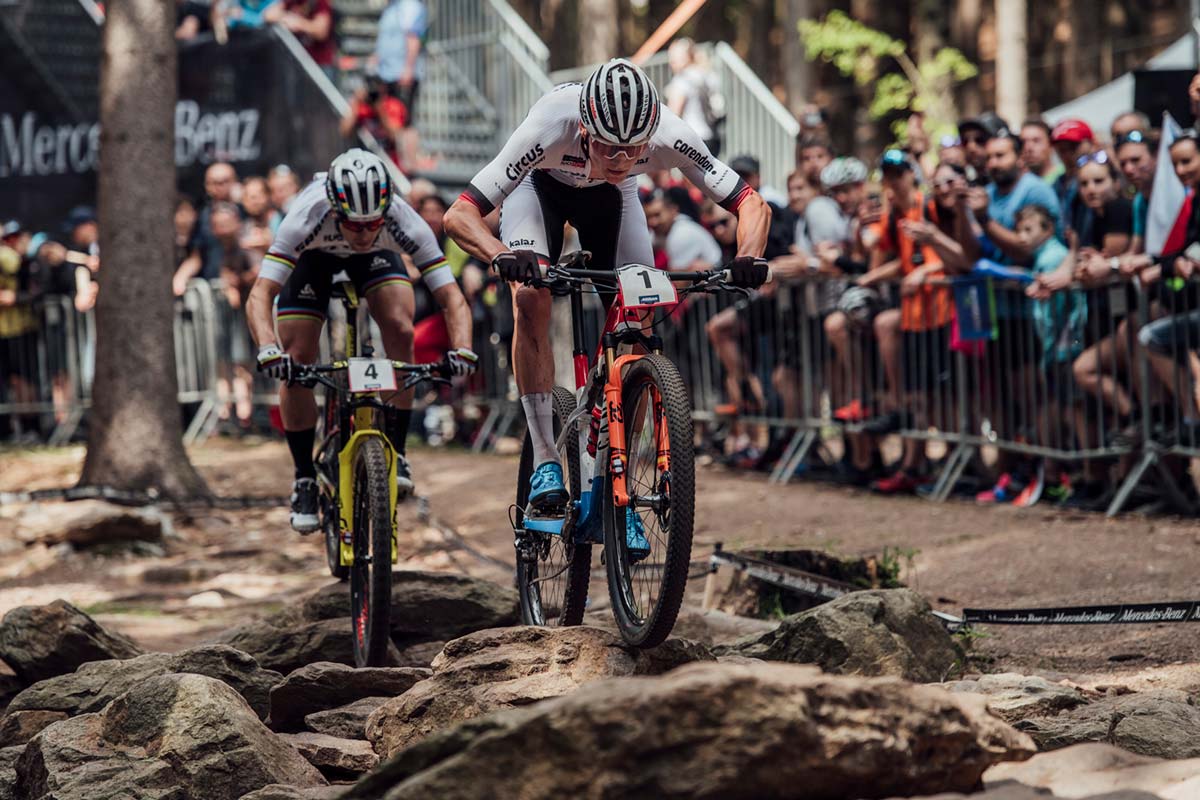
{"x": 552, "y": 572}
{"x": 371, "y": 573}
{"x": 660, "y": 477}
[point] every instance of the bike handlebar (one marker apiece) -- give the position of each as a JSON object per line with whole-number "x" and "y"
{"x": 438, "y": 372}
{"x": 566, "y": 270}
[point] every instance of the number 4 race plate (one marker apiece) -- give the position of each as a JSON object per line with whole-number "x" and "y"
{"x": 371, "y": 375}
{"x": 645, "y": 287}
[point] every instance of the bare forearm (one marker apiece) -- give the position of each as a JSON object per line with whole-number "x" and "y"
{"x": 754, "y": 222}
{"x": 414, "y": 50}
{"x": 258, "y": 311}
{"x": 950, "y": 251}
{"x": 465, "y": 226}
{"x": 457, "y": 313}
{"x": 1008, "y": 241}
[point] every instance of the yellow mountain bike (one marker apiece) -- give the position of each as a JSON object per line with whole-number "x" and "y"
{"x": 356, "y": 472}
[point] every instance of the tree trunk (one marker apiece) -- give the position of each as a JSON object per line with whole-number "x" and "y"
{"x": 135, "y": 434}
{"x": 1012, "y": 64}
{"x": 799, "y": 75}
{"x": 599, "y": 36}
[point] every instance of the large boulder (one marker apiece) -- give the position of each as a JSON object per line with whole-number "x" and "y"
{"x": 18, "y": 727}
{"x": 506, "y": 667}
{"x": 10, "y": 687}
{"x": 1015, "y": 697}
{"x": 1010, "y": 790}
{"x": 332, "y": 755}
{"x": 8, "y": 771}
{"x": 279, "y": 645}
{"x": 95, "y": 684}
{"x": 91, "y": 522}
{"x": 428, "y": 606}
{"x": 1087, "y": 769}
{"x": 279, "y": 791}
{"x": 345, "y": 722}
{"x": 182, "y": 737}
{"x": 1162, "y": 723}
{"x": 39, "y": 642}
{"x": 712, "y": 730}
{"x": 325, "y": 685}
{"x": 870, "y": 633}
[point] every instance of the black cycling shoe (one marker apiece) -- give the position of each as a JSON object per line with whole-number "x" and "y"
{"x": 304, "y": 506}
{"x": 404, "y": 480}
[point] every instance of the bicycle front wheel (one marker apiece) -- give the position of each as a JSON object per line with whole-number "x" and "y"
{"x": 371, "y": 574}
{"x": 648, "y": 544}
{"x": 327, "y": 460}
{"x": 552, "y": 572}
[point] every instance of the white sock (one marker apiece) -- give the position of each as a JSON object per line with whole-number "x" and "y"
{"x": 539, "y": 416}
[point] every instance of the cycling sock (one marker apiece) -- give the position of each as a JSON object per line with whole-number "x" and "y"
{"x": 539, "y": 415}
{"x": 395, "y": 426}
{"x": 301, "y": 445}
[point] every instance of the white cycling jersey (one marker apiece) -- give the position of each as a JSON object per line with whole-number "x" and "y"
{"x": 310, "y": 224}
{"x": 550, "y": 140}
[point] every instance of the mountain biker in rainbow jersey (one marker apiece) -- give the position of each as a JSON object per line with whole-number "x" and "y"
{"x": 573, "y": 160}
{"x": 347, "y": 220}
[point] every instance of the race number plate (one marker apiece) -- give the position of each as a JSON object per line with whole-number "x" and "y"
{"x": 645, "y": 287}
{"x": 371, "y": 375}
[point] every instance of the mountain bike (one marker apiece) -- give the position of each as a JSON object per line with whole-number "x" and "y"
{"x": 356, "y": 473}
{"x": 625, "y": 441}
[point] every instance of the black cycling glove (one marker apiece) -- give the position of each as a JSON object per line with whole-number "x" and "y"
{"x": 748, "y": 272}
{"x": 517, "y": 265}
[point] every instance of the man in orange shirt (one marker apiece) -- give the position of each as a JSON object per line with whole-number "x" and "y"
{"x": 914, "y": 342}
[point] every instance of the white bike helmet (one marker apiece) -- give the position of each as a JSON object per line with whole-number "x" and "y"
{"x": 619, "y": 104}
{"x": 842, "y": 171}
{"x": 358, "y": 186}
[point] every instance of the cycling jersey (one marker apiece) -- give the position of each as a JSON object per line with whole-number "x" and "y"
{"x": 550, "y": 141}
{"x": 310, "y": 225}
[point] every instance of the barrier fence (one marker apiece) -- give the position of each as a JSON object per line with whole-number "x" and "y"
{"x": 1099, "y": 384}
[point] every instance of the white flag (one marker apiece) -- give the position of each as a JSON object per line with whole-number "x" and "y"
{"x": 1167, "y": 198}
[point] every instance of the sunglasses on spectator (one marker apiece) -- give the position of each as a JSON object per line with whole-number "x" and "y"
{"x": 1133, "y": 137}
{"x": 613, "y": 152}
{"x": 950, "y": 141}
{"x": 359, "y": 227}
{"x": 1188, "y": 133}
{"x": 1099, "y": 157}
{"x": 976, "y": 138}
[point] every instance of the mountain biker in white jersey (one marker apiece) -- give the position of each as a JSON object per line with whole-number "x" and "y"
{"x": 573, "y": 160}
{"x": 347, "y": 220}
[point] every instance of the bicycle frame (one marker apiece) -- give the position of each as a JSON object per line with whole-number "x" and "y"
{"x": 355, "y": 414}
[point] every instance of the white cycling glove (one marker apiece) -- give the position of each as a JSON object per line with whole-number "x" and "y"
{"x": 462, "y": 361}
{"x": 275, "y": 362}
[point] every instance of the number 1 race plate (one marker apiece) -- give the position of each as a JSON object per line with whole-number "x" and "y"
{"x": 371, "y": 375}
{"x": 645, "y": 287}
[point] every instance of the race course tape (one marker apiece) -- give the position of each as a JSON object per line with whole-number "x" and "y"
{"x": 1125, "y": 614}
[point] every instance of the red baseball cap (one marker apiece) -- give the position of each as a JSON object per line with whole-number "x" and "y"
{"x": 1072, "y": 130}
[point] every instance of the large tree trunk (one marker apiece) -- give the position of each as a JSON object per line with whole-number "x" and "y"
{"x": 135, "y": 434}
{"x": 599, "y": 36}
{"x": 1012, "y": 63}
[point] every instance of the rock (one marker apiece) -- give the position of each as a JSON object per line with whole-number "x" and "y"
{"x": 324, "y": 685}
{"x": 506, "y": 667}
{"x": 420, "y": 654}
{"x": 8, "y": 771}
{"x": 39, "y": 642}
{"x": 1010, "y": 790}
{"x": 716, "y": 627}
{"x": 1015, "y": 697}
{"x": 428, "y": 606}
{"x": 96, "y": 683}
{"x": 871, "y": 633}
{"x": 172, "y": 736}
{"x": 10, "y": 687}
{"x": 18, "y": 727}
{"x": 712, "y": 730}
{"x": 333, "y": 755}
{"x": 278, "y": 791}
{"x": 1086, "y": 769}
{"x": 211, "y": 599}
{"x": 1161, "y": 723}
{"x": 289, "y": 647}
{"x": 91, "y": 522}
{"x": 346, "y": 722}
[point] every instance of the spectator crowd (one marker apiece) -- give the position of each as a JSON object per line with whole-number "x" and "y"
{"x": 992, "y": 283}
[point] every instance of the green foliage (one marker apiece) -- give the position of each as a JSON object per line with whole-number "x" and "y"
{"x": 892, "y": 564}
{"x": 872, "y": 57}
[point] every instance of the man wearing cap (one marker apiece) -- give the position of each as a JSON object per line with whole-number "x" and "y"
{"x": 1072, "y": 139}
{"x": 747, "y": 168}
{"x": 975, "y": 133}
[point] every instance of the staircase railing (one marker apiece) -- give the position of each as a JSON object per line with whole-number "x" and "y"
{"x": 756, "y": 123}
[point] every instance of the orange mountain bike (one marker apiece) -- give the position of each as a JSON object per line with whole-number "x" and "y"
{"x": 625, "y": 441}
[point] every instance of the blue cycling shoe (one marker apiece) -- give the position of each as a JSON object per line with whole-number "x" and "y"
{"x": 546, "y": 489}
{"x": 636, "y": 543}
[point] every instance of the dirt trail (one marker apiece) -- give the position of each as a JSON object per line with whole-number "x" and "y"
{"x": 226, "y": 565}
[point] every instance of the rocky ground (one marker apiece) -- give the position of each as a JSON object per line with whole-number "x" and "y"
{"x": 135, "y": 640}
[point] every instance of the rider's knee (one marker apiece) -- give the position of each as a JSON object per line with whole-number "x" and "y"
{"x": 532, "y": 304}
{"x": 303, "y": 348}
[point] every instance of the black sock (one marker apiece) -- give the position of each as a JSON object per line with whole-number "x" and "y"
{"x": 301, "y": 445}
{"x": 395, "y": 426}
